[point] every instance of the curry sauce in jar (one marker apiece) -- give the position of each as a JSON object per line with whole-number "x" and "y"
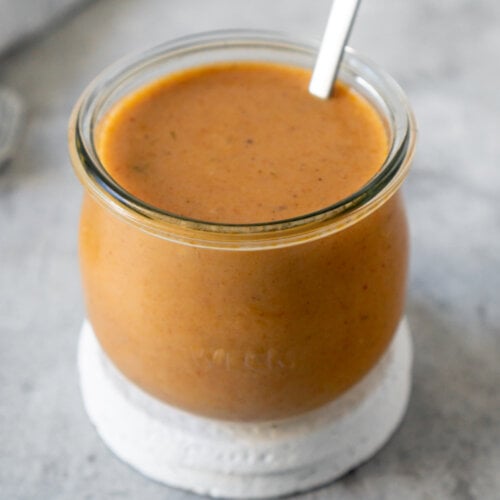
{"x": 243, "y": 244}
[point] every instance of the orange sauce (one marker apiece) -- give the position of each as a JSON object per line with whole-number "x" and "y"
{"x": 243, "y": 335}
{"x": 241, "y": 143}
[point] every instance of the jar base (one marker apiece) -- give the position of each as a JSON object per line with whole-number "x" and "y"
{"x": 245, "y": 460}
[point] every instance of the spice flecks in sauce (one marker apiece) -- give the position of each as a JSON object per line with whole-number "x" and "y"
{"x": 241, "y": 143}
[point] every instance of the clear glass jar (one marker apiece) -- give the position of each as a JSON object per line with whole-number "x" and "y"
{"x": 243, "y": 322}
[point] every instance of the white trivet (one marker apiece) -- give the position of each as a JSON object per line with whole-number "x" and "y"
{"x": 242, "y": 460}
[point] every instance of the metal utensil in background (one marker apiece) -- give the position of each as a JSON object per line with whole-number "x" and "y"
{"x": 11, "y": 118}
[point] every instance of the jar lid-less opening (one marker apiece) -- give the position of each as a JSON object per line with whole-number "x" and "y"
{"x": 373, "y": 84}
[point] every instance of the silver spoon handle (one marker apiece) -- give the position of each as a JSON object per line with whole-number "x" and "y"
{"x": 331, "y": 51}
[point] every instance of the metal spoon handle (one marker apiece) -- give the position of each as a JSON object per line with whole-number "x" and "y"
{"x": 330, "y": 54}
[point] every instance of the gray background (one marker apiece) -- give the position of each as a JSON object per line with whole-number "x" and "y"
{"x": 445, "y": 54}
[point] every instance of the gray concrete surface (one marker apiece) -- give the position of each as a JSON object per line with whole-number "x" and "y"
{"x": 445, "y": 54}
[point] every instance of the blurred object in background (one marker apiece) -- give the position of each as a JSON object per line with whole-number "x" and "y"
{"x": 21, "y": 19}
{"x": 11, "y": 112}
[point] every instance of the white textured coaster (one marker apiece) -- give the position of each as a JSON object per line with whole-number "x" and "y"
{"x": 242, "y": 460}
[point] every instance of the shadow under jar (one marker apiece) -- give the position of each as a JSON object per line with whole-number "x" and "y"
{"x": 244, "y": 322}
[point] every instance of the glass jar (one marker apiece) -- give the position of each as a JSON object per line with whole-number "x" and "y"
{"x": 243, "y": 322}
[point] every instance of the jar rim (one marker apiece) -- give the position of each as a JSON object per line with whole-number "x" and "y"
{"x": 312, "y": 225}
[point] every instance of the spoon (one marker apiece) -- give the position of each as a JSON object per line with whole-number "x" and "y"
{"x": 330, "y": 54}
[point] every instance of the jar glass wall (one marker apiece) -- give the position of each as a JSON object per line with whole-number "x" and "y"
{"x": 243, "y": 322}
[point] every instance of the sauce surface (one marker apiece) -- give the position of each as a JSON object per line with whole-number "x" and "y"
{"x": 241, "y": 143}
